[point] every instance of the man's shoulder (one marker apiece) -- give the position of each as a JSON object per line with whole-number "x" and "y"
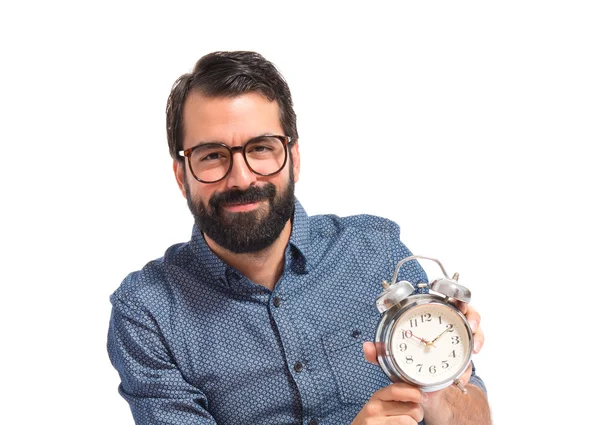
{"x": 329, "y": 224}
{"x": 352, "y": 234}
{"x": 142, "y": 286}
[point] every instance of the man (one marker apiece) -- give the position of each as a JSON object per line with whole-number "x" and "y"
{"x": 262, "y": 316}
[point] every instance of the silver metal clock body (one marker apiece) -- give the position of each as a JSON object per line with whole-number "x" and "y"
{"x": 383, "y": 341}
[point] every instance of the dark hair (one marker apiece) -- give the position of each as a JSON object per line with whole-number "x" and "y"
{"x": 229, "y": 74}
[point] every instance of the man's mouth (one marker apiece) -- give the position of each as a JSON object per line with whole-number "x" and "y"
{"x": 240, "y": 206}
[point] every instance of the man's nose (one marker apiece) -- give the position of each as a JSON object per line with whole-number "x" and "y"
{"x": 240, "y": 177}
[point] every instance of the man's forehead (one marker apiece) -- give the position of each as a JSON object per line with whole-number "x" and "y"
{"x": 216, "y": 118}
{"x": 198, "y": 102}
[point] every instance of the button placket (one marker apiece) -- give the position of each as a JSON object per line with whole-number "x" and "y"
{"x": 283, "y": 312}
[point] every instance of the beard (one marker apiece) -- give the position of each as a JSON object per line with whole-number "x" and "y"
{"x": 244, "y": 232}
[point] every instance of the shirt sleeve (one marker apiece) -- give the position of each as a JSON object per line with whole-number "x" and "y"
{"x": 411, "y": 270}
{"x": 476, "y": 380}
{"x": 151, "y": 383}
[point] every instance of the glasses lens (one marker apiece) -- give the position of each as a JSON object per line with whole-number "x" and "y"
{"x": 210, "y": 162}
{"x": 265, "y": 155}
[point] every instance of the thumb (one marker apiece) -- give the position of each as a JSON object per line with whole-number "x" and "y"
{"x": 370, "y": 352}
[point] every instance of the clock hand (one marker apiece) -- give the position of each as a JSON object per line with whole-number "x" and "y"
{"x": 437, "y": 337}
{"x": 424, "y": 341}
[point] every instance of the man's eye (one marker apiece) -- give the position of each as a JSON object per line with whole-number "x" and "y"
{"x": 211, "y": 156}
{"x": 260, "y": 149}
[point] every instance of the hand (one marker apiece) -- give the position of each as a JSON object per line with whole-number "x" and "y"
{"x": 431, "y": 402}
{"x": 398, "y": 403}
{"x": 436, "y": 398}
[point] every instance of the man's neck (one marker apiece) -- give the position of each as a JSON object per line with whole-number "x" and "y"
{"x": 262, "y": 268}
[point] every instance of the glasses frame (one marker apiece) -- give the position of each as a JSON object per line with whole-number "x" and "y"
{"x": 286, "y": 141}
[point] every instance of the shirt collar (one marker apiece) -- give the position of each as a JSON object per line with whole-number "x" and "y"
{"x": 296, "y": 252}
{"x": 300, "y": 239}
{"x": 208, "y": 260}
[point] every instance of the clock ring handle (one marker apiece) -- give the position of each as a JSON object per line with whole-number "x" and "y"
{"x": 414, "y": 257}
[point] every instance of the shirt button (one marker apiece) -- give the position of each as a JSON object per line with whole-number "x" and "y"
{"x": 298, "y": 366}
{"x": 276, "y": 301}
{"x": 313, "y": 421}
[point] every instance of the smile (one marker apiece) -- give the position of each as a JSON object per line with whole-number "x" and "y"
{"x": 243, "y": 207}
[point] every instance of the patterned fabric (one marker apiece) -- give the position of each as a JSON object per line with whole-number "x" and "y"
{"x": 195, "y": 342}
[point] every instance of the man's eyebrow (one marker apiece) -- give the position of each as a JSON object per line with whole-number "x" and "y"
{"x": 220, "y": 142}
{"x": 207, "y": 142}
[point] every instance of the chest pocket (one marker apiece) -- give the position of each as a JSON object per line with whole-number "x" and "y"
{"x": 356, "y": 378}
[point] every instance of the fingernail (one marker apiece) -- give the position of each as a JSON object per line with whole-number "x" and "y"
{"x": 473, "y": 325}
{"x": 424, "y": 397}
{"x": 477, "y": 346}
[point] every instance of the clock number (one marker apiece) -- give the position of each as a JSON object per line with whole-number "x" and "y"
{"x": 445, "y": 364}
{"x": 425, "y": 317}
{"x": 402, "y": 347}
{"x": 432, "y": 369}
{"x": 455, "y": 340}
{"x": 414, "y": 324}
{"x": 420, "y": 366}
{"x": 409, "y": 359}
{"x": 453, "y": 353}
{"x": 450, "y": 327}
{"x": 407, "y": 334}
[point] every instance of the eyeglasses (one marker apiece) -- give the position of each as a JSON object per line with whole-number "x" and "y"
{"x": 212, "y": 162}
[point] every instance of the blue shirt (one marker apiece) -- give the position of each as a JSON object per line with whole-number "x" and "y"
{"x": 196, "y": 342}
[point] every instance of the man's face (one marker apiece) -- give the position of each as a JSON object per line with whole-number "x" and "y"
{"x": 244, "y": 212}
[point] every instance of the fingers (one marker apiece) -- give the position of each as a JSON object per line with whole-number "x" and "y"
{"x": 381, "y": 409}
{"x": 399, "y": 420}
{"x": 479, "y": 339}
{"x": 466, "y": 376}
{"x": 474, "y": 320}
{"x": 388, "y": 420}
{"x": 398, "y": 403}
{"x": 394, "y": 409}
{"x": 462, "y": 306}
{"x": 370, "y": 352}
{"x": 473, "y": 317}
{"x": 400, "y": 391}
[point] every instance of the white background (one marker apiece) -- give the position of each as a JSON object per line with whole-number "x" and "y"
{"x": 472, "y": 124}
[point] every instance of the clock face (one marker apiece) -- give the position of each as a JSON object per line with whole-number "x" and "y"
{"x": 430, "y": 343}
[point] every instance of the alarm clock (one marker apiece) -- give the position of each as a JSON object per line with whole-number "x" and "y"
{"x": 422, "y": 338}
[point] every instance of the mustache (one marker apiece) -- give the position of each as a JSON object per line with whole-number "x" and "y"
{"x": 236, "y": 196}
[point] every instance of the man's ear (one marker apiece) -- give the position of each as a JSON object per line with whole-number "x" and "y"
{"x": 179, "y": 170}
{"x": 295, "y": 153}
